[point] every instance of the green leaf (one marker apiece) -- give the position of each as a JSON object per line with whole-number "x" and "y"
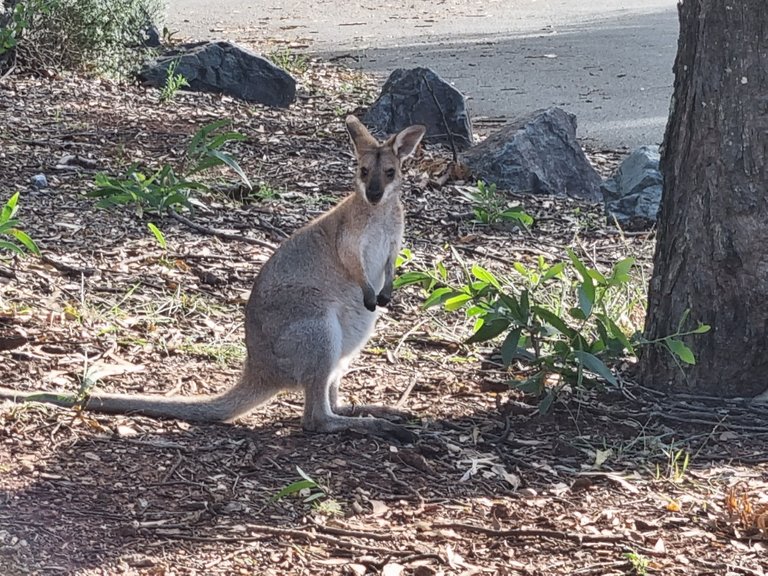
{"x": 485, "y": 276}
{"x": 680, "y": 350}
{"x": 159, "y": 236}
{"x": 616, "y": 332}
{"x": 586, "y": 296}
{"x": 533, "y": 386}
{"x": 555, "y": 321}
{"x": 305, "y": 475}
{"x": 546, "y": 403}
{"x": 5, "y": 245}
{"x": 577, "y": 314}
{"x": 553, "y": 271}
{"x": 24, "y": 238}
{"x": 437, "y": 296}
{"x": 524, "y": 218}
{"x": 702, "y": 329}
{"x": 488, "y": 331}
{"x": 294, "y": 488}
{"x": 411, "y": 278}
{"x": 620, "y": 272}
{"x": 595, "y": 365}
{"x": 514, "y": 308}
{"x": 525, "y": 306}
{"x": 10, "y": 208}
{"x": 509, "y": 346}
{"x": 578, "y": 264}
{"x": 455, "y": 302}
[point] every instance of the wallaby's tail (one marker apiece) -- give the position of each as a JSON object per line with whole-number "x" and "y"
{"x": 236, "y": 401}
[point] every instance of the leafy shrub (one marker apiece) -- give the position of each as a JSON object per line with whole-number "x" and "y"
{"x": 12, "y": 238}
{"x": 95, "y": 36}
{"x": 165, "y": 189}
{"x": 564, "y": 319}
{"x": 173, "y": 82}
{"x": 491, "y": 207}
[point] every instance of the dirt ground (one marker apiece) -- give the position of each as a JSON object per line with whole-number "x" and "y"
{"x": 617, "y": 481}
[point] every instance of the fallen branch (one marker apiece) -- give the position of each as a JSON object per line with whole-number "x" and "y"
{"x": 219, "y": 233}
{"x": 290, "y": 533}
{"x": 554, "y": 534}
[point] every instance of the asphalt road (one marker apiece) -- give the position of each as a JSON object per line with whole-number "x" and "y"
{"x": 607, "y": 61}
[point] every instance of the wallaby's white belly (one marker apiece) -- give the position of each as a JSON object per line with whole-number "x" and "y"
{"x": 375, "y": 250}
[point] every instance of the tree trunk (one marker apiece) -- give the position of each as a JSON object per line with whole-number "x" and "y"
{"x": 712, "y": 245}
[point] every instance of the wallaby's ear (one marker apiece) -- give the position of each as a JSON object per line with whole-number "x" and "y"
{"x": 361, "y": 138}
{"x": 407, "y": 140}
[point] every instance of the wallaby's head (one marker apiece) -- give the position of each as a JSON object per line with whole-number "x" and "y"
{"x": 379, "y": 164}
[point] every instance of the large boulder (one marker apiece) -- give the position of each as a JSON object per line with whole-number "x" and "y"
{"x": 419, "y": 96}
{"x": 226, "y": 68}
{"x": 538, "y": 154}
{"x": 632, "y": 195}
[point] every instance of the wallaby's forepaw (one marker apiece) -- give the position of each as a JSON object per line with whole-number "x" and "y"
{"x": 383, "y": 299}
{"x": 369, "y": 298}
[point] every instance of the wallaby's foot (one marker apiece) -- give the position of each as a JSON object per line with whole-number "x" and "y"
{"x": 374, "y": 426}
{"x": 375, "y": 410}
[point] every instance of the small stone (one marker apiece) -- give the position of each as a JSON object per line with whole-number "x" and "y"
{"x": 39, "y": 181}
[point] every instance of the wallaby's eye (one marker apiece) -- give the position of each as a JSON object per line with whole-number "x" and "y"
{"x": 363, "y": 172}
{"x": 390, "y": 173}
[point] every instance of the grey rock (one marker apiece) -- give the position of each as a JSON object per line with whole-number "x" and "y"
{"x": 538, "y": 154}
{"x": 39, "y": 181}
{"x": 151, "y": 36}
{"x": 419, "y": 96}
{"x": 223, "y": 67}
{"x": 632, "y": 195}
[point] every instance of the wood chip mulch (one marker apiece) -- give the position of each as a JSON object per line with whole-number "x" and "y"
{"x": 612, "y": 482}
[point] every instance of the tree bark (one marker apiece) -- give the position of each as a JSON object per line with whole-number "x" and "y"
{"x": 712, "y": 245}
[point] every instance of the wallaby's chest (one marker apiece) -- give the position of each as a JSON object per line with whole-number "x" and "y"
{"x": 379, "y": 238}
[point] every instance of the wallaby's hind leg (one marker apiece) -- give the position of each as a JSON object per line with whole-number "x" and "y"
{"x": 376, "y": 410}
{"x": 318, "y": 416}
{"x": 323, "y": 372}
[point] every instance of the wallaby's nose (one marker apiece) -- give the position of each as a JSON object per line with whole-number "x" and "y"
{"x": 374, "y": 191}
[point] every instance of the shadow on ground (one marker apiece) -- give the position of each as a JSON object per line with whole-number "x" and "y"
{"x": 136, "y": 496}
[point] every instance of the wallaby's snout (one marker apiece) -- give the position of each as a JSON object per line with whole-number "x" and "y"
{"x": 374, "y": 179}
{"x": 379, "y": 164}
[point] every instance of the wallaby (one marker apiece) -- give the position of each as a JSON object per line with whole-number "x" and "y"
{"x": 312, "y": 307}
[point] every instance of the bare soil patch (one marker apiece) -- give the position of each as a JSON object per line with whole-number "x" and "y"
{"x": 490, "y": 488}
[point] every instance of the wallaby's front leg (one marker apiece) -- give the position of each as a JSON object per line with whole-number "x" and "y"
{"x": 352, "y": 259}
{"x": 385, "y": 296}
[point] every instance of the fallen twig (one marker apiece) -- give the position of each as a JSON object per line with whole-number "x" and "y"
{"x": 219, "y": 233}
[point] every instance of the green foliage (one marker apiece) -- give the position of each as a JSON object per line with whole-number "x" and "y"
{"x": 491, "y": 207}
{"x": 311, "y": 493}
{"x": 265, "y": 193}
{"x": 13, "y": 239}
{"x": 639, "y": 563}
{"x": 173, "y": 82}
{"x": 677, "y": 465}
{"x": 564, "y": 319}
{"x": 97, "y": 36}
{"x": 165, "y": 189}
{"x": 159, "y": 236}
{"x": 288, "y": 60}
{"x": 17, "y": 21}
